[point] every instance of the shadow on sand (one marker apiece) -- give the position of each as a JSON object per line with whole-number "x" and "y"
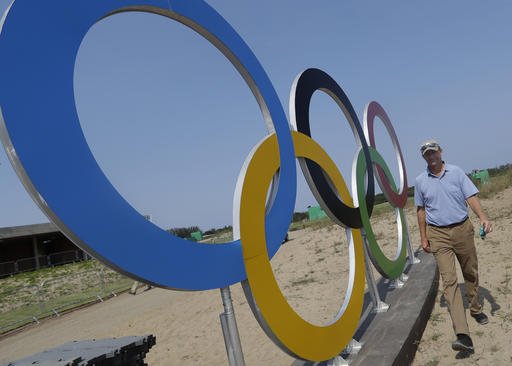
{"x": 484, "y": 294}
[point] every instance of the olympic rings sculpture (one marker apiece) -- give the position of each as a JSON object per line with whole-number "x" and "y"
{"x": 43, "y": 139}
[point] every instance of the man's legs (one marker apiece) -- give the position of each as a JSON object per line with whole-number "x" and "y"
{"x": 442, "y": 248}
{"x": 464, "y": 244}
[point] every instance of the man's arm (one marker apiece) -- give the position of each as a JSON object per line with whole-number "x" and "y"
{"x": 474, "y": 203}
{"x": 422, "y": 224}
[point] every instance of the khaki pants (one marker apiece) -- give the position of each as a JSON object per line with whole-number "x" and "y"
{"x": 447, "y": 244}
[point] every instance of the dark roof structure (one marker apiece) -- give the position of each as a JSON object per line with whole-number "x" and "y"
{"x": 27, "y": 230}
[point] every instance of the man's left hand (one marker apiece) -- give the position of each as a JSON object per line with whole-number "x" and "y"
{"x": 487, "y": 225}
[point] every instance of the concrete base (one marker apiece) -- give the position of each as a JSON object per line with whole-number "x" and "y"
{"x": 392, "y": 337}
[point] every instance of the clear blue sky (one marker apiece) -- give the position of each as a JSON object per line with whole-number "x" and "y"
{"x": 170, "y": 120}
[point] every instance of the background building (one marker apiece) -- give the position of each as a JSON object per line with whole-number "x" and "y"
{"x": 30, "y": 247}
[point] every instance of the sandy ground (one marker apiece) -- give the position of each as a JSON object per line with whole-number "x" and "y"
{"x": 312, "y": 272}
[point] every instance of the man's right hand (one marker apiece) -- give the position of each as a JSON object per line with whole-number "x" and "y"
{"x": 425, "y": 245}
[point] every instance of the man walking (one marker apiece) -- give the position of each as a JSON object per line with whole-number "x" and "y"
{"x": 442, "y": 194}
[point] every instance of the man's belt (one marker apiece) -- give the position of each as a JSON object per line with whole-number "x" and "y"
{"x": 451, "y": 225}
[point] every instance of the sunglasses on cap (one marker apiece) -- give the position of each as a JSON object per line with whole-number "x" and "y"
{"x": 434, "y": 146}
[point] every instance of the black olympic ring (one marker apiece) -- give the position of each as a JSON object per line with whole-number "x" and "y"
{"x": 303, "y": 88}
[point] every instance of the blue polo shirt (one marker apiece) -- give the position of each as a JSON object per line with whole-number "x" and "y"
{"x": 444, "y": 197}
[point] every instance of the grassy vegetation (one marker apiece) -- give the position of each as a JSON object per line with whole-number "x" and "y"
{"x": 436, "y": 318}
{"x": 218, "y": 236}
{"x": 436, "y": 336}
{"x": 53, "y": 290}
{"x": 433, "y": 362}
{"x": 500, "y": 180}
{"x": 35, "y": 277}
{"x": 315, "y": 225}
{"x": 24, "y": 314}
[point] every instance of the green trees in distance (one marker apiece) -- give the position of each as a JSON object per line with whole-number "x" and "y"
{"x": 212, "y": 231}
{"x": 500, "y": 170}
{"x": 183, "y": 232}
{"x": 299, "y": 216}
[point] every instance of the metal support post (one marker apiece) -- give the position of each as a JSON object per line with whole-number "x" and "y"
{"x": 379, "y": 306}
{"x": 353, "y": 347}
{"x": 230, "y": 330}
{"x": 412, "y": 259}
{"x": 400, "y": 281}
{"x": 36, "y": 252}
{"x": 40, "y": 298}
{"x": 101, "y": 274}
{"x": 397, "y": 283}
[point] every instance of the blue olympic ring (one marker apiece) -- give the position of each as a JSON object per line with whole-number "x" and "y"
{"x": 44, "y": 139}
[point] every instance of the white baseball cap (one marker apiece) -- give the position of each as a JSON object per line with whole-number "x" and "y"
{"x": 429, "y": 145}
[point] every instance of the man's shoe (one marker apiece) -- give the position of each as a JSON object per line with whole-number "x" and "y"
{"x": 463, "y": 343}
{"x": 481, "y": 318}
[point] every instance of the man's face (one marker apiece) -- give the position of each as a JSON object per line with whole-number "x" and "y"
{"x": 433, "y": 159}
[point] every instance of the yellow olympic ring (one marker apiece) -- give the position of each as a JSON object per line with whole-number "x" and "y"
{"x": 305, "y": 340}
